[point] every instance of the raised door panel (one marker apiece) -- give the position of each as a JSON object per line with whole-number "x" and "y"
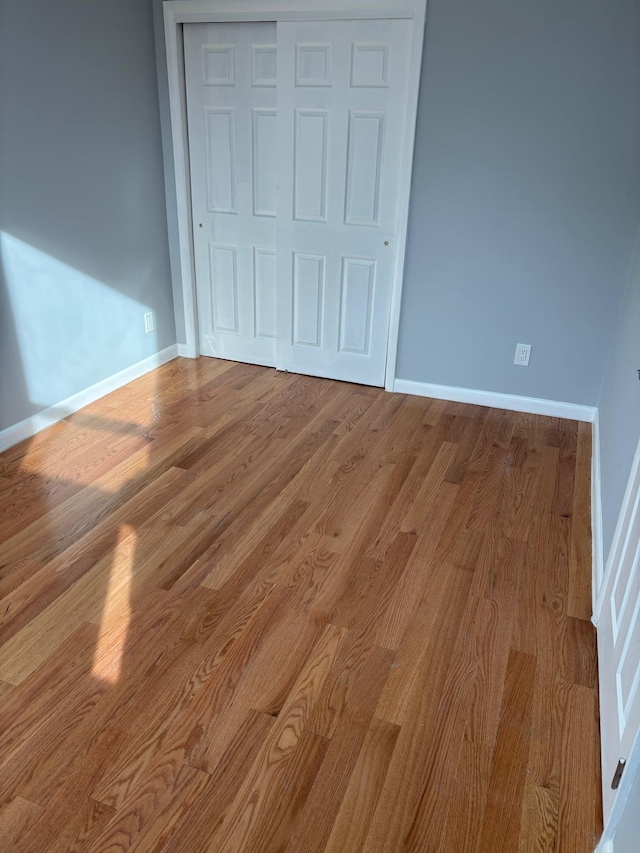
{"x": 369, "y": 65}
{"x": 264, "y": 65}
{"x": 308, "y": 296}
{"x": 218, "y": 64}
{"x": 265, "y": 143}
{"x": 223, "y": 277}
{"x": 356, "y": 299}
{"x": 364, "y": 159}
{"x": 313, "y": 64}
{"x": 310, "y": 165}
{"x": 220, "y": 152}
{"x": 264, "y": 280}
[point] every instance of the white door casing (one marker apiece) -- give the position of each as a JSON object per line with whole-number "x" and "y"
{"x": 341, "y": 96}
{"x": 619, "y": 640}
{"x": 231, "y": 96}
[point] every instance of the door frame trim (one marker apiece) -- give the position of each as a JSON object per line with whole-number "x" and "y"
{"x": 179, "y": 12}
{"x": 607, "y": 580}
{"x": 614, "y": 820}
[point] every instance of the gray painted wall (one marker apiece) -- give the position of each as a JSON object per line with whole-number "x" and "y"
{"x": 524, "y": 201}
{"x": 620, "y": 406}
{"x": 525, "y": 195}
{"x": 82, "y": 209}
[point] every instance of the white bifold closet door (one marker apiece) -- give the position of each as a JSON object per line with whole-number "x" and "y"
{"x": 230, "y": 73}
{"x": 295, "y": 163}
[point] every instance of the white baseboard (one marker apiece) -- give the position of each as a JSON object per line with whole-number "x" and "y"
{"x": 512, "y": 402}
{"x": 184, "y": 351}
{"x": 29, "y": 427}
{"x": 596, "y": 520}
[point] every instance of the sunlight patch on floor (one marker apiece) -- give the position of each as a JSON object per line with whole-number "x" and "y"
{"x": 116, "y": 613}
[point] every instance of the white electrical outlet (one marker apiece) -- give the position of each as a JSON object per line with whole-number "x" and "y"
{"x": 148, "y": 322}
{"x": 523, "y": 354}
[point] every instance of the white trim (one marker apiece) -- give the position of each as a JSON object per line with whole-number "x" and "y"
{"x": 179, "y": 138}
{"x": 597, "y": 573}
{"x": 620, "y": 531}
{"x": 177, "y": 12}
{"x": 185, "y": 352}
{"x": 631, "y": 771}
{"x": 211, "y": 11}
{"x": 29, "y": 427}
{"x": 269, "y": 14}
{"x": 512, "y": 402}
{"x": 404, "y": 193}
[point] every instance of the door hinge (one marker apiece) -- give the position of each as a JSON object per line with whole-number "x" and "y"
{"x": 618, "y": 774}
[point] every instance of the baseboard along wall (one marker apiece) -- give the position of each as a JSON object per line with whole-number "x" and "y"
{"x": 512, "y": 402}
{"x": 34, "y": 424}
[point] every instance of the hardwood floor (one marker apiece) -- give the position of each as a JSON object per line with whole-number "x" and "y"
{"x": 242, "y": 610}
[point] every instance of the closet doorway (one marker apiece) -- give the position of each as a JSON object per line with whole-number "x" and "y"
{"x": 299, "y": 138}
